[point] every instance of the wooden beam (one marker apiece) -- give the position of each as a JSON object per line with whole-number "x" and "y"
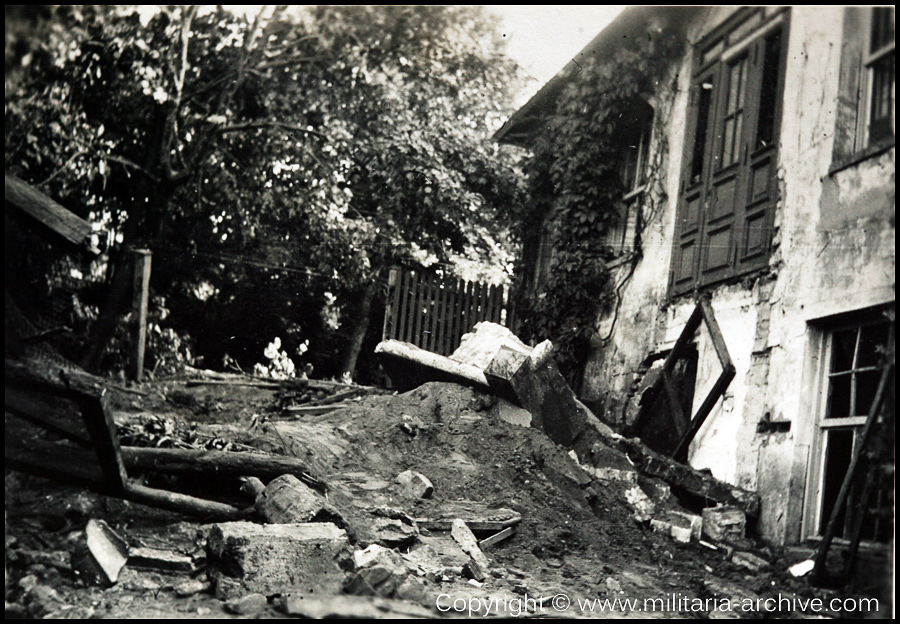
{"x": 181, "y": 461}
{"x": 182, "y": 503}
{"x": 699, "y": 418}
{"x": 684, "y": 338}
{"x": 142, "y": 259}
{"x": 709, "y": 318}
{"x": 36, "y": 204}
{"x": 678, "y": 418}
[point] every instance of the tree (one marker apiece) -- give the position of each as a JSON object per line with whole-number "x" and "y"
{"x": 289, "y": 152}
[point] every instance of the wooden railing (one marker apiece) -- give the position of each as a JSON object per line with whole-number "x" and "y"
{"x": 433, "y": 311}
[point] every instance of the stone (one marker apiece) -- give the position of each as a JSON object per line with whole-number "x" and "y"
{"x": 391, "y": 533}
{"x": 157, "y": 559}
{"x": 411, "y": 589}
{"x": 513, "y": 414}
{"x": 274, "y": 558}
{"x": 190, "y": 587}
{"x": 378, "y": 572}
{"x": 415, "y": 484}
{"x": 287, "y": 500}
{"x": 682, "y": 527}
{"x": 723, "y": 522}
{"x": 640, "y": 503}
{"x": 471, "y": 570}
{"x": 100, "y": 554}
{"x": 803, "y": 568}
{"x": 752, "y": 562}
{"x": 247, "y": 605}
{"x": 469, "y": 544}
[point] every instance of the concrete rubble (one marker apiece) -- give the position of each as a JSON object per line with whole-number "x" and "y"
{"x": 100, "y": 554}
{"x": 270, "y": 559}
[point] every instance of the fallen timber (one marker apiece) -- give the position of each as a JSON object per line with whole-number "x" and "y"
{"x": 222, "y": 463}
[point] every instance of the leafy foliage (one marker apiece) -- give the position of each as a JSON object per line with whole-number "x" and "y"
{"x": 575, "y": 180}
{"x": 275, "y": 163}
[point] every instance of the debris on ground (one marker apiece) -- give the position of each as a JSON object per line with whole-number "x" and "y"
{"x": 378, "y": 506}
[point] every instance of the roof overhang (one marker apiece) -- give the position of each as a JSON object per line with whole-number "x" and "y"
{"x": 629, "y": 27}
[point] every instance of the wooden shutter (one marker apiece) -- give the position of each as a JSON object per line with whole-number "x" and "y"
{"x": 728, "y": 190}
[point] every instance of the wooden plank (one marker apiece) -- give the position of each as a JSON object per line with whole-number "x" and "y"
{"x": 443, "y": 320}
{"x": 389, "y": 328}
{"x": 498, "y": 310}
{"x": 684, "y": 338}
{"x": 33, "y": 202}
{"x": 102, "y": 429}
{"x": 312, "y": 410}
{"x": 433, "y": 309}
{"x": 142, "y": 261}
{"x": 61, "y": 461}
{"x": 32, "y": 410}
{"x": 474, "y": 525}
{"x": 497, "y": 537}
{"x": 678, "y": 418}
{"x": 709, "y": 318}
{"x": 699, "y": 418}
{"x": 416, "y": 311}
{"x": 405, "y": 304}
{"x": 456, "y": 331}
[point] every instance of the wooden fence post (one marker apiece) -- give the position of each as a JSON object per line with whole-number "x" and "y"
{"x": 139, "y": 311}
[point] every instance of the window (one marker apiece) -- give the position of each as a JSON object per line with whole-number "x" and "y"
{"x": 634, "y": 138}
{"x": 879, "y": 69}
{"x": 727, "y": 197}
{"x": 865, "y": 104}
{"x": 853, "y": 363}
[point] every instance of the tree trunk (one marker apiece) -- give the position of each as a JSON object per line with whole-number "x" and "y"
{"x": 351, "y": 352}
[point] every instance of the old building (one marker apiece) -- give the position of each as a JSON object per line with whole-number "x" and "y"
{"x": 772, "y": 140}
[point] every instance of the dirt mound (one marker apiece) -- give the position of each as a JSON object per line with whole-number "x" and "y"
{"x": 476, "y": 460}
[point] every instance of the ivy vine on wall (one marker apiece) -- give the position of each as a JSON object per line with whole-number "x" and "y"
{"x": 575, "y": 181}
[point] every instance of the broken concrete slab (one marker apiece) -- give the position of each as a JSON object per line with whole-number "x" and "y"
{"x": 693, "y": 481}
{"x": 724, "y": 523}
{"x": 467, "y": 541}
{"x": 274, "y": 558}
{"x": 471, "y": 570}
{"x": 162, "y": 560}
{"x": 100, "y": 555}
{"x": 415, "y": 484}
{"x": 479, "y": 346}
{"x": 409, "y": 366}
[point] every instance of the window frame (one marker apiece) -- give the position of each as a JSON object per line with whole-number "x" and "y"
{"x": 621, "y": 236}
{"x": 869, "y": 59}
{"x": 813, "y": 520}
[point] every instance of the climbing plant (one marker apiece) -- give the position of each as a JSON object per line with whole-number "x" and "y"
{"x": 575, "y": 182}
